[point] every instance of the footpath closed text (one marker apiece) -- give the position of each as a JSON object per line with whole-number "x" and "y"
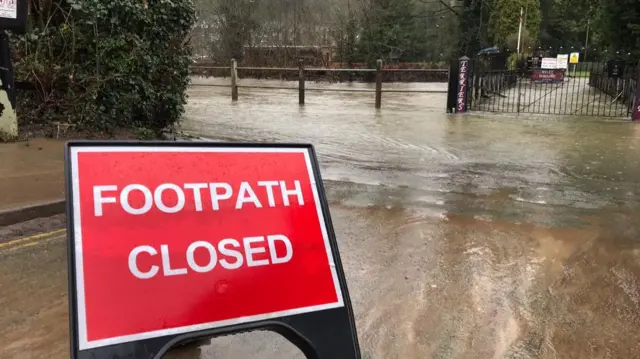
{"x": 222, "y": 253}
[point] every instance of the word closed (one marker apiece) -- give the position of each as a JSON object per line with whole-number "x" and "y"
{"x": 170, "y": 240}
{"x": 241, "y": 254}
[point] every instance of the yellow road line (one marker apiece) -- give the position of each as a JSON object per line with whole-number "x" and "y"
{"x": 31, "y": 238}
{"x": 30, "y": 244}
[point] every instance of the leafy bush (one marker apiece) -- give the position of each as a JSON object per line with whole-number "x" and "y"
{"x": 105, "y": 64}
{"x": 512, "y": 61}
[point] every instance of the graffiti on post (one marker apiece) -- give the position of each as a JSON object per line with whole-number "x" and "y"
{"x": 463, "y": 85}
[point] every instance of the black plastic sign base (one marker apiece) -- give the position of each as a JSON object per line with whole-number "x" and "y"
{"x": 319, "y": 333}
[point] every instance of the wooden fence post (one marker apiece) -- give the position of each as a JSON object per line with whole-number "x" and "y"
{"x": 301, "y": 83}
{"x": 379, "y": 84}
{"x": 234, "y": 80}
{"x": 636, "y": 104}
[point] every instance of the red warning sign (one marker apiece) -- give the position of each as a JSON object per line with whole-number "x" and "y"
{"x": 170, "y": 240}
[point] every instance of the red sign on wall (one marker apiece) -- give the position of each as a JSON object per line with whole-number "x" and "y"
{"x": 547, "y": 75}
{"x": 171, "y": 240}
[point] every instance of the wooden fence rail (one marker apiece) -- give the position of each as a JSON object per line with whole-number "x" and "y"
{"x": 379, "y": 70}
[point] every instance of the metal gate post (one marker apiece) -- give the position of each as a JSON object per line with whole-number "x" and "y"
{"x": 636, "y": 104}
{"x": 454, "y": 67}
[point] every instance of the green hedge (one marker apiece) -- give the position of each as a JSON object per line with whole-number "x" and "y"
{"x": 105, "y": 64}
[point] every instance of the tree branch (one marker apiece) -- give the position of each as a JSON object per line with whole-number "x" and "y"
{"x": 449, "y": 7}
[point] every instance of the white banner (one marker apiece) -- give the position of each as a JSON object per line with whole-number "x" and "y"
{"x": 8, "y": 9}
{"x": 563, "y": 61}
{"x": 549, "y": 62}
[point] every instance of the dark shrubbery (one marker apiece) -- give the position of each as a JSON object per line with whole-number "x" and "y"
{"x": 105, "y": 64}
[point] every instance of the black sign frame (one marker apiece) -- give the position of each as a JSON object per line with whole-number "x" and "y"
{"x": 19, "y": 24}
{"x": 326, "y": 334}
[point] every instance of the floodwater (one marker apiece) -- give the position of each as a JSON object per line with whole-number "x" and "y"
{"x": 462, "y": 236}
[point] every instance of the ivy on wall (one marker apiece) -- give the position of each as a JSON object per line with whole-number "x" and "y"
{"x": 103, "y": 65}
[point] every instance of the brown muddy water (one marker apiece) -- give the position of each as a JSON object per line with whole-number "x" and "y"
{"x": 469, "y": 236}
{"x": 463, "y": 236}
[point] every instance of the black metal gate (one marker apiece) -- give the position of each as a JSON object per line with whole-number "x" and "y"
{"x": 529, "y": 85}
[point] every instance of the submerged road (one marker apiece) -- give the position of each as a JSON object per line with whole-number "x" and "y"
{"x": 461, "y": 236}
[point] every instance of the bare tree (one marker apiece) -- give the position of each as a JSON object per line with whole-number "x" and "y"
{"x": 224, "y": 27}
{"x": 233, "y": 28}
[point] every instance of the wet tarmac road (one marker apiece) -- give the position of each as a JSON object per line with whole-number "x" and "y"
{"x": 461, "y": 237}
{"x": 31, "y": 172}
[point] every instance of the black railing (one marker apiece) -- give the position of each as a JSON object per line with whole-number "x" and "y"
{"x": 588, "y": 89}
{"x": 622, "y": 89}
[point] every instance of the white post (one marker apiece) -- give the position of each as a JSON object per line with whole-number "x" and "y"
{"x": 520, "y": 29}
{"x": 586, "y": 43}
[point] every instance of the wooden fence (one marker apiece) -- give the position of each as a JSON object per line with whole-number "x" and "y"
{"x": 301, "y": 73}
